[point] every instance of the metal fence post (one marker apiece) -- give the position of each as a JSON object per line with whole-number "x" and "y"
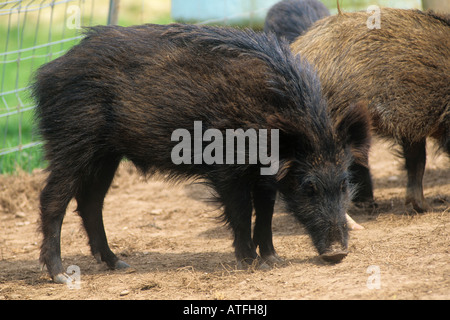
{"x": 113, "y": 14}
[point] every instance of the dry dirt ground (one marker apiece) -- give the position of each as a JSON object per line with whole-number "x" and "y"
{"x": 179, "y": 250}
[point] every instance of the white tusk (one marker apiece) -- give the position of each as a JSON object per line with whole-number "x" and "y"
{"x": 352, "y": 224}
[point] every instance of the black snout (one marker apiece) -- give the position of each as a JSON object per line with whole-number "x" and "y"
{"x": 335, "y": 254}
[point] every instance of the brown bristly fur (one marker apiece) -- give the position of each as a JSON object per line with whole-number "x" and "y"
{"x": 401, "y": 69}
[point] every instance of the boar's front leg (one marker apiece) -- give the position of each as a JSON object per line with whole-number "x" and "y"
{"x": 264, "y": 201}
{"x": 236, "y": 199}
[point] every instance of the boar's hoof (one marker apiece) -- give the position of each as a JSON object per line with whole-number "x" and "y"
{"x": 263, "y": 266}
{"x": 255, "y": 264}
{"x": 420, "y": 206}
{"x": 62, "y": 278}
{"x": 334, "y": 256}
{"x": 121, "y": 265}
{"x": 272, "y": 260}
{"x": 246, "y": 264}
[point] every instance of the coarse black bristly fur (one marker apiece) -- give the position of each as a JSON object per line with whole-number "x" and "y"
{"x": 123, "y": 91}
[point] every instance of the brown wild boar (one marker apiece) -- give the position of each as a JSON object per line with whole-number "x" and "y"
{"x": 402, "y": 69}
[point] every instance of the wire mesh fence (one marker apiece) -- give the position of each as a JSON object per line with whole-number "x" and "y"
{"x": 33, "y": 32}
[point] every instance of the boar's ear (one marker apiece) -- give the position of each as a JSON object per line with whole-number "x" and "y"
{"x": 353, "y": 128}
{"x": 292, "y": 134}
{"x": 283, "y": 170}
{"x": 283, "y": 123}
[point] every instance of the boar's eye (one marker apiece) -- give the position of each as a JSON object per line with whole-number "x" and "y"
{"x": 310, "y": 188}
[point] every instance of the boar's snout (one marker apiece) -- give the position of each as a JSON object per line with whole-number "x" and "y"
{"x": 335, "y": 253}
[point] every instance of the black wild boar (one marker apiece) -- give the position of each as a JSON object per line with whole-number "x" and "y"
{"x": 401, "y": 69}
{"x": 125, "y": 91}
{"x": 291, "y": 18}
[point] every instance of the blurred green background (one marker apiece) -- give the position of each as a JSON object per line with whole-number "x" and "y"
{"x": 23, "y": 26}
{"x": 30, "y": 36}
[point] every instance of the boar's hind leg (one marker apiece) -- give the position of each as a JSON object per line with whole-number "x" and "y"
{"x": 264, "y": 201}
{"x": 54, "y": 199}
{"x": 90, "y": 199}
{"x": 415, "y": 159}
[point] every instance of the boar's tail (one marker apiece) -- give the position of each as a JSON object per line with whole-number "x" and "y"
{"x": 339, "y": 8}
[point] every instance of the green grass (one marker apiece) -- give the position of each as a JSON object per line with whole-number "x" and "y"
{"x": 18, "y": 127}
{"x": 16, "y": 69}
